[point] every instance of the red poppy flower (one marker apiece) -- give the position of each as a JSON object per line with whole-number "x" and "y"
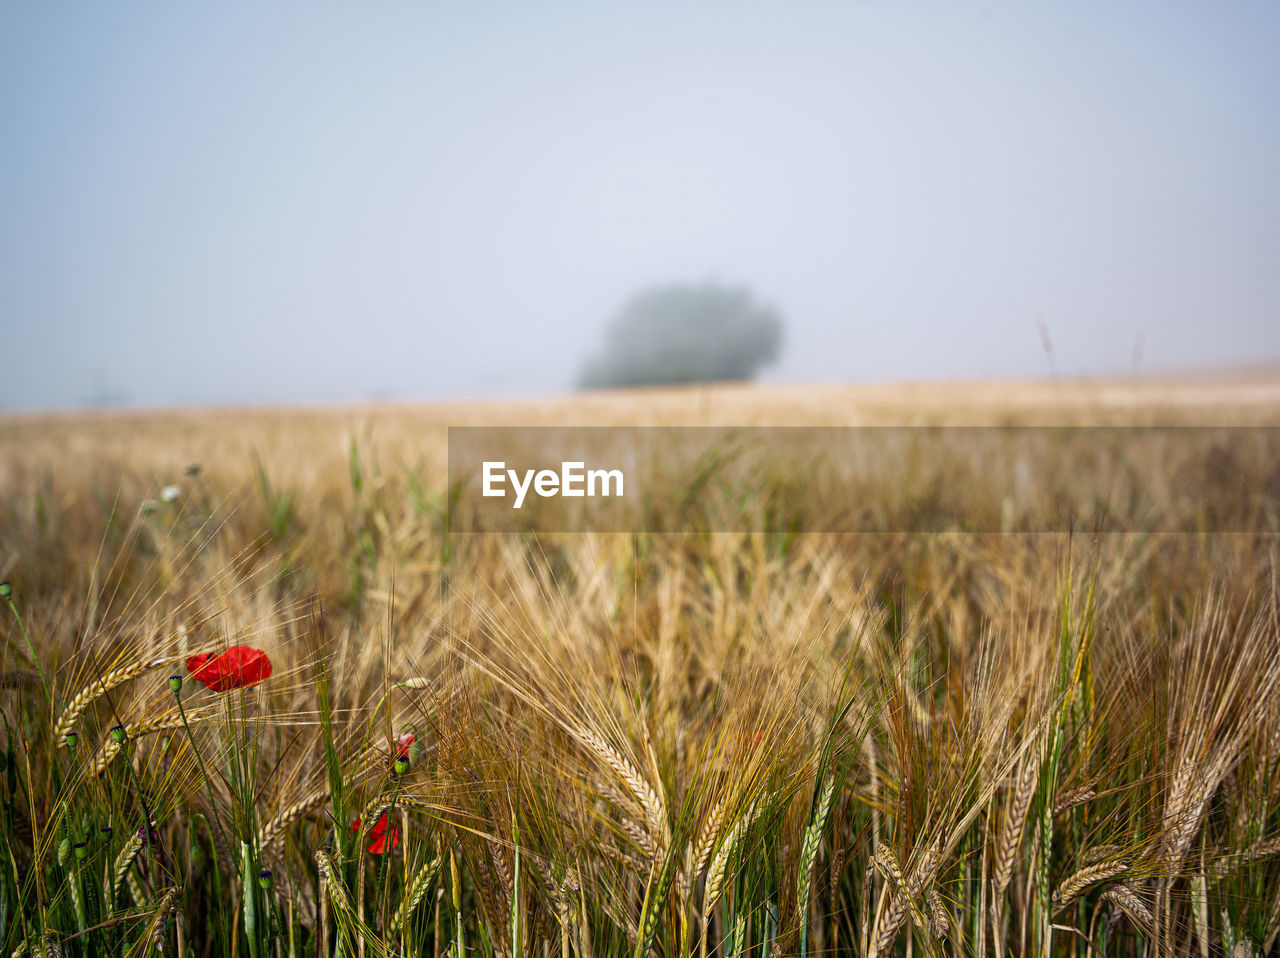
{"x": 237, "y": 668}
{"x": 402, "y": 745}
{"x": 384, "y": 838}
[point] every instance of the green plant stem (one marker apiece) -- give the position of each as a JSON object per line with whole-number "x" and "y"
{"x": 35, "y": 659}
{"x": 204, "y": 773}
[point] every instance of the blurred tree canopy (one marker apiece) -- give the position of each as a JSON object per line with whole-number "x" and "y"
{"x": 683, "y": 334}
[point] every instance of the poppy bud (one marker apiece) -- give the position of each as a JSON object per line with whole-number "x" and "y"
{"x": 401, "y": 766}
{"x": 105, "y": 832}
{"x": 175, "y": 684}
{"x": 82, "y": 851}
{"x": 6, "y": 590}
{"x": 73, "y": 740}
{"x": 264, "y": 879}
{"x": 118, "y": 735}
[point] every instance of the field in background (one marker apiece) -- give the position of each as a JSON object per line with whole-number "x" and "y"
{"x": 590, "y": 744}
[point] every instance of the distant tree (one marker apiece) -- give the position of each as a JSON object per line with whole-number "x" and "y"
{"x": 684, "y": 334}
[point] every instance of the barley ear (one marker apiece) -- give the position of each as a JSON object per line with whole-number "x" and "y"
{"x": 809, "y": 854}
{"x": 418, "y": 888}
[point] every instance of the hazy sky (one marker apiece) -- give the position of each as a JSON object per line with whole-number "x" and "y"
{"x": 277, "y": 202}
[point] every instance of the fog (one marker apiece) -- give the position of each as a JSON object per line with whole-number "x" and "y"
{"x": 245, "y": 203}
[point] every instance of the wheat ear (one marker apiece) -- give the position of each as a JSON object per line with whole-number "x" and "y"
{"x": 274, "y": 829}
{"x": 337, "y": 891}
{"x": 155, "y": 928}
{"x": 1072, "y": 797}
{"x": 422, "y": 882}
{"x": 809, "y": 855}
{"x": 87, "y": 696}
{"x": 707, "y": 841}
{"x": 1229, "y": 862}
{"x": 715, "y": 875}
{"x": 111, "y": 748}
{"x": 1070, "y": 889}
{"x": 887, "y": 862}
{"x": 123, "y": 861}
{"x": 1015, "y": 819}
{"x": 641, "y": 790}
{"x": 1127, "y": 898}
{"x": 702, "y": 850}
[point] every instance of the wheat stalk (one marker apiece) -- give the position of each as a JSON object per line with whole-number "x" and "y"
{"x": 332, "y": 883}
{"x": 707, "y": 840}
{"x": 715, "y": 874}
{"x": 1070, "y": 889}
{"x": 905, "y": 894}
{"x": 271, "y": 832}
{"x": 111, "y": 748}
{"x": 87, "y": 696}
{"x": 938, "y": 913}
{"x": 373, "y": 810}
{"x": 124, "y": 860}
{"x": 639, "y": 836}
{"x": 422, "y": 882}
{"x": 1072, "y": 797}
{"x": 1015, "y": 819}
{"x": 1126, "y": 896}
{"x": 135, "y": 888}
{"x": 155, "y": 928}
{"x": 46, "y": 947}
{"x": 650, "y": 802}
{"x": 887, "y": 862}
{"x": 697, "y": 854}
{"x": 655, "y": 900}
{"x": 1097, "y": 853}
{"x": 1192, "y": 787}
{"x": 1226, "y": 863}
{"x": 809, "y": 855}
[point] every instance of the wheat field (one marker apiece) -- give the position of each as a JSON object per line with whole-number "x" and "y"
{"x": 713, "y": 743}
